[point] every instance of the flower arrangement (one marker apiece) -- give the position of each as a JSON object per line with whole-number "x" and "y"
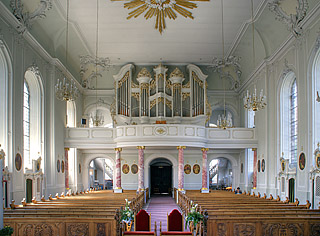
{"x": 7, "y": 231}
{"x": 126, "y": 215}
{"x": 194, "y": 217}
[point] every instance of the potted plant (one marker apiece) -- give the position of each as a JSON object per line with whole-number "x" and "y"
{"x": 193, "y": 219}
{"x": 6, "y": 231}
{"x": 126, "y": 215}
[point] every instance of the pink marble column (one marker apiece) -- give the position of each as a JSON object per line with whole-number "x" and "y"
{"x": 118, "y": 188}
{"x": 66, "y": 167}
{"x": 255, "y": 168}
{"x": 141, "y": 168}
{"x": 204, "y": 171}
{"x": 181, "y": 169}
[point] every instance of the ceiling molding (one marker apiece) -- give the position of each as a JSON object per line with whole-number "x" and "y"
{"x": 245, "y": 26}
{"x": 13, "y": 21}
{"x": 75, "y": 26}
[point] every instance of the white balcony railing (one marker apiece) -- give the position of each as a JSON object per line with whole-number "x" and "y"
{"x": 160, "y": 135}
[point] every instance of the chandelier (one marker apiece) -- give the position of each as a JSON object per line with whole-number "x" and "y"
{"x": 223, "y": 121}
{"x": 97, "y": 120}
{"x": 253, "y": 102}
{"x": 66, "y": 90}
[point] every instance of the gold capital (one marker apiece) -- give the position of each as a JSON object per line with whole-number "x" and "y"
{"x": 254, "y": 149}
{"x": 204, "y": 149}
{"x": 141, "y": 147}
{"x": 118, "y": 149}
{"x": 67, "y": 149}
{"x": 181, "y": 147}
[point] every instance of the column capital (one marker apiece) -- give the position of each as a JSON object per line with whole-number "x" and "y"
{"x": 254, "y": 149}
{"x": 66, "y": 148}
{"x": 181, "y": 147}
{"x": 2, "y": 153}
{"x": 204, "y": 149}
{"x": 118, "y": 149}
{"x": 141, "y": 147}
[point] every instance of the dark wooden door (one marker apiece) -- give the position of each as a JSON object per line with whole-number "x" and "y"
{"x": 29, "y": 190}
{"x": 291, "y": 190}
{"x": 161, "y": 179}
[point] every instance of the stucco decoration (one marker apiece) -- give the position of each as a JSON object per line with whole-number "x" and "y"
{"x": 291, "y": 20}
{"x": 88, "y": 70}
{"x": 26, "y": 18}
{"x": 228, "y": 68}
{"x": 317, "y": 46}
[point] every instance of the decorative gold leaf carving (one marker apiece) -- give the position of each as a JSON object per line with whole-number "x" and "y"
{"x": 169, "y": 104}
{"x": 185, "y": 96}
{"x": 136, "y": 95}
{"x": 196, "y": 78}
{"x": 125, "y": 77}
{"x": 160, "y": 9}
{"x": 177, "y": 73}
{"x": 144, "y": 73}
{"x": 187, "y": 85}
{"x": 153, "y": 103}
{"x": 134, "y": 85}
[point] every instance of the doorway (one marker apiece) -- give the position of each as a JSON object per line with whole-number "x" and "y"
{"x": 291, "y": 190}
{"x": 161, "y": 176}
{"x": 29, "y": 190}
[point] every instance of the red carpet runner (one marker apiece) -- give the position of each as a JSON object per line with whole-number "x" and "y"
{"x": 158, "y": 206}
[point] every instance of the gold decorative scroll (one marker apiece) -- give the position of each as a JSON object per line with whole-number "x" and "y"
{"x": 177, "y": 73}
{"x": 187, "y": 85}
{"x": 136, "y": 95}
{"x": 169, "y": 104}
{"x": 185, "y": 96}
{"x": 134, "y": 85}
{"x": 168, "y": 84}
{"x": 160, "y": 9}
{"x": 125, "y": 77}
{"x": 144, "y": 73}
{"x": 208, "y": 109}
{"x": 161, "y": 100}
{"x": 195, "y": 78}
{"x": 153, "y": 103}
{"x": 153, "y": 84}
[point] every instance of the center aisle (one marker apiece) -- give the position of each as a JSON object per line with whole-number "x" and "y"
{"x": 158, "y": 206}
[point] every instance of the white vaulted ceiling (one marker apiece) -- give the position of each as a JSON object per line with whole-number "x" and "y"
{"x": 136, "y": 40}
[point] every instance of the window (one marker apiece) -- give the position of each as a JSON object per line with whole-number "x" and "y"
{"x": 32, "y": 117}
{"x": 293, "y": 122}
{"x": 26, "y": 124}
{"x": 71, "y": 114}
{"x": 289, "y": 117}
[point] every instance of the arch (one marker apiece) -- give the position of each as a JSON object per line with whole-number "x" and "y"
{"x": 284, "y": 90}
{"x": 234, "y": 163}
{"x": 71, "y": 114}
{"x": 229, "y": 108}
{"x": 87, "y": 158}
{"x": 6, "y": 102}
{"x": 32, "y": 77}
{"x": 103, "y": 109}
{"x": 171, "y": 158}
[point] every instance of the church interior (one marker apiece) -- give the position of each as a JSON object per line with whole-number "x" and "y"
{"x": 190, "y": 101}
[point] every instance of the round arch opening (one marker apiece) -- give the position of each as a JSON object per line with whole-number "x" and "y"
{"x": 161, "y": 176}
{"x": 100, "y": 173}
{"x": 220, "y": 173}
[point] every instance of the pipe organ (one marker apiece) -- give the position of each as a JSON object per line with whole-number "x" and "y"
{"x": 160, "y": 98}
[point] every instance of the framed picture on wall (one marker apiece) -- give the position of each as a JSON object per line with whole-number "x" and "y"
{"x": 58, "y": 166}
{"x": 187, "y": 169}
{"x": 134, "y": 169}
{"x": 283, "y": 165}
{"x": 18, "y": 162}
{"x": 302, "y": 161}
{"x": 241, "y": 168}
{"x": 125, "y": 169}
{"x": 196, "y": 169}
{"x": 79, "y": 168}
{"x": 263, "y": 165}
{"x": 259, "y": 166}
{"x": 318, "y": 160}
{"x": 62, "y": 166}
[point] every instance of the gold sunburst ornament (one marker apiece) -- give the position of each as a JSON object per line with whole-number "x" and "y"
{"x": 160, "y": 9}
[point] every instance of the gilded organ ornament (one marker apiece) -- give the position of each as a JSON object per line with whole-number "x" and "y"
{"x": 160, "y": 9}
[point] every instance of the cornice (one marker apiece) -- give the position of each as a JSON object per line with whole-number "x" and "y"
{"x": 285, "y": 46}
{"x": 12, "y": 20}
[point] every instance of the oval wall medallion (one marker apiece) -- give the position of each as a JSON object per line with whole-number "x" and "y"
{"x": 18, "y": 162}
{"x": 62, "y": 166}
{"x": 187, "y": 169}
{"x": 125, "y": 169}
{"x": 196, "y": 169}
{"x": 302, "y": 161}
{"x": 134, "y": 168}
{"x": 58, "y": 166}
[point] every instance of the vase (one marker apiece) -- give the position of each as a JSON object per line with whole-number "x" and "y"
{"x": 128, "y": 226}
